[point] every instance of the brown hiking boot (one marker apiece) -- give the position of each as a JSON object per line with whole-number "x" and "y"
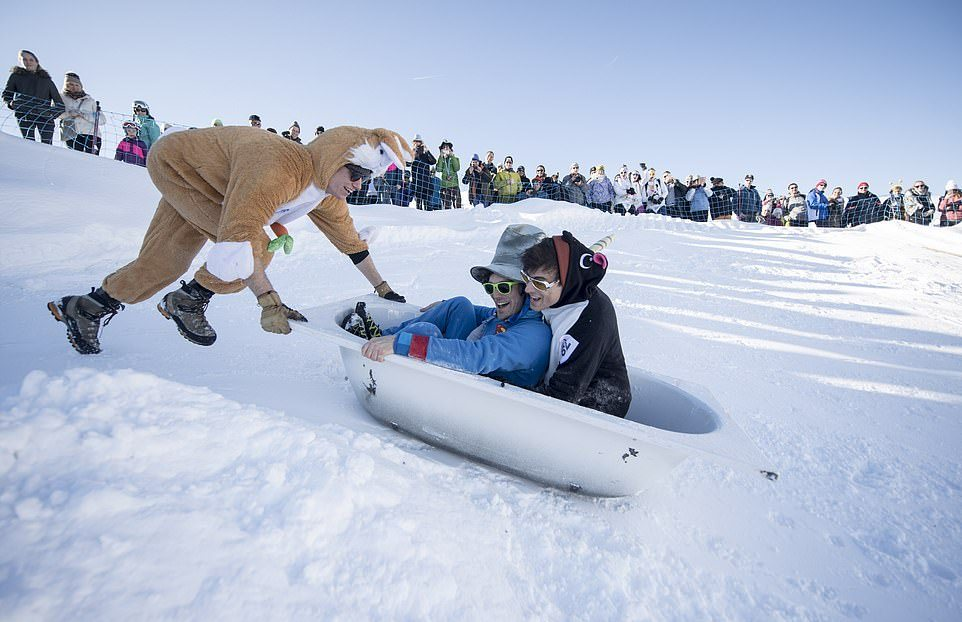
{"x": 82, "y": 315}
{"x": 186, "y": 306}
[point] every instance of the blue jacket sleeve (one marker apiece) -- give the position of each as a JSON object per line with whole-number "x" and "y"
{"x": 523, "y": 347}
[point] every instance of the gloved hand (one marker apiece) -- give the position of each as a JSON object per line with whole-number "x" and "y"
{"x": 275, "y": 314}
{"x": 384, "y": 291}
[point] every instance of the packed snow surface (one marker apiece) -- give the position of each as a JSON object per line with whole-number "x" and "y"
{"x": 243, "y": 481}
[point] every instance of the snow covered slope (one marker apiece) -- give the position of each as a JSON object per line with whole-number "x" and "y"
{"x": 243, "y": 481}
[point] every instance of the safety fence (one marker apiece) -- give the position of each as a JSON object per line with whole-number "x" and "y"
{"x": 447, "y": 182}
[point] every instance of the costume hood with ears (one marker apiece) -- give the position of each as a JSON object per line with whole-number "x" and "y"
{"x": 579, "y": 268}
{"x": 373, "y": 149}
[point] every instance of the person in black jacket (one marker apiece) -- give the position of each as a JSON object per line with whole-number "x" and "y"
{"x": 863, "y": 208}
{"x": 421, "y": 174}
{"x": 586, "y": 365}
{"x": 721, "y": 199}
{"x": 33, "y": 97}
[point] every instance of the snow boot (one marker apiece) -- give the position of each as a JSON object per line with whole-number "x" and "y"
{"x": 82, "y": 315}
{"x": 360, "y": 324}
{"x": 186, "y": 307}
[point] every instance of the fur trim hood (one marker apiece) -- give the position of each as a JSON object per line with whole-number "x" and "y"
{"x": 373, "y": 149}
{"x": 18, "y": 70}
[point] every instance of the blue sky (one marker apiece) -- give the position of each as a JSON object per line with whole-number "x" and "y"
{"x": 787, "y": 91}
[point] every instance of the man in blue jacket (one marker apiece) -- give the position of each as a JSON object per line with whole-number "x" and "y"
{"x": 508, "y": 342}
{"x": 817, "y": 204}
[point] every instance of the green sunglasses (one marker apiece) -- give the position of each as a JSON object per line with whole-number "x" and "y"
{"x": 502, "y": 287}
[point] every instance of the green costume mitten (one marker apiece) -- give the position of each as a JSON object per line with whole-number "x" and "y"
{"x": 284, "y": 241}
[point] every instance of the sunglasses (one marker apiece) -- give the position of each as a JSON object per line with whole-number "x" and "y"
{"x": 502, "y": 287}
{"x": 539, "y": 284}
{"x": 358, "y": 173}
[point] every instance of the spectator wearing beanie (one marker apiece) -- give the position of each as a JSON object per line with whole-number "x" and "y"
{"x": 254, "y": 120}
{"x": 33, "y": 97}
{"x": 817, "y": 204}
{"x": 950, "y": 206}
{"x": 79, "y": 125}
{"x": 863, "y": 208}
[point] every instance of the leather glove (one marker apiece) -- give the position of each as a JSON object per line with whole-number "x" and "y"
{"x": 275, "y": 314}
{"x": 384, "y": 291}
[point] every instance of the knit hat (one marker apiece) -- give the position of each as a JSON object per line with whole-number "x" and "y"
{"x": 217, "y": 123}
{"x": 22, "y": 52}
{"x": 319, "y": 129}
{"x": 507, "y": 256}
{"x": 475, "y": 158}
{"x": 72, "y": 78}
{"x": 750, "y": 176}
{"x": 951, "y": 185}
{"x": 863, "y": 184}
{"x": 253, "y": 117}
{"x": 821, "y": 182}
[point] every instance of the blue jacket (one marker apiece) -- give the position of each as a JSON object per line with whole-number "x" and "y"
{"x": 149, "y": 132}
{"x": 747, "y": 201}
{"x": 514, "y": 350}
{"x": 817, "y": 205}
{"x": 600, "y": 190}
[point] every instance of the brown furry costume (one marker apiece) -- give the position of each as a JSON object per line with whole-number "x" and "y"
{"x": 224, "y": 184}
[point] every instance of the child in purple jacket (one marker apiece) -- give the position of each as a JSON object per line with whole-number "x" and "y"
{"x": 131, "y": 149}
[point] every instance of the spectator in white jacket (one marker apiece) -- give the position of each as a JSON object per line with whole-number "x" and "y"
{"x": 637, "y": 193}
{"x": 79, "y": 128}
{"x": 622, "y": 197}
{"x": 654, "y": 193}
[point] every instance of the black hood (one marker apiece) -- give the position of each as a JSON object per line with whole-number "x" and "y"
{"x": 581, "y": 269}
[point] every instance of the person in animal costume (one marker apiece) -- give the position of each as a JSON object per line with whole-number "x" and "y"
{"x": 226, "y": 184}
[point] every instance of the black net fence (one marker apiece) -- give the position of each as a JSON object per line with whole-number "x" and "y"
{"x": 443, "y": 180}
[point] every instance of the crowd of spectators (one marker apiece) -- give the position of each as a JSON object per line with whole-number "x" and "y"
{"x": 434, "y": 183}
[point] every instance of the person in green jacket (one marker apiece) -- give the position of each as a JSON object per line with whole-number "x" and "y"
{"x": 149, "y": 132}
{"x": 507, "y": 182}
{"x": 448, "y": 166}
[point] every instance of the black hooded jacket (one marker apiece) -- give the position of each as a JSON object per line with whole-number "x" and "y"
{"x": 591, "y": 368}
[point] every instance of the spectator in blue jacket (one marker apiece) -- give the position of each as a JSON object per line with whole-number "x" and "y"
{"x": 698, "y": 198}
{"x": 508, "y": 342}
{"x": 817, "y": 204}
{"x": 748, "y": 204}
{"x": 600, "y": 192}
{"x": 149, "y": 132}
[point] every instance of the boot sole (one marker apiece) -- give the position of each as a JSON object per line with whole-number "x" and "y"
{"x": 200, "y": 341}
{"x": 58, "y": 314}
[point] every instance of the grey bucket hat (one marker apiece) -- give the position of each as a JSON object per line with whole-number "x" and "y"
{"x": 515, "y": 240}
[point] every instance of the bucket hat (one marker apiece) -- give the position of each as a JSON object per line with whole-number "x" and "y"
{"x": 515, "y": 240}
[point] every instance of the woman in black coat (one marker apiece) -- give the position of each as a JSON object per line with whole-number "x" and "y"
{"x": 33, "y": 97}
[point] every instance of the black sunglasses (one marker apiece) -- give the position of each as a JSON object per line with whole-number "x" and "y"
{"x": 358, "y": 173}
